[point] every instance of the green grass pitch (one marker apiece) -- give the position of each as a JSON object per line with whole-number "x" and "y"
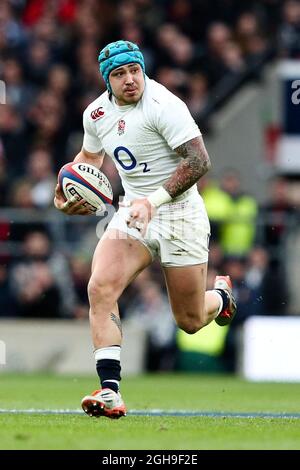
{"x": 164, "y": 391}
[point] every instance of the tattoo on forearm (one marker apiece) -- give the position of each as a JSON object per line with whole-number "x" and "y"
{"x": 117, "y": 321}
{"x": 195, "y": 164}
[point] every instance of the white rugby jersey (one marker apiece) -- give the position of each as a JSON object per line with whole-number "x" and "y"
{"x": 140, "y": 138}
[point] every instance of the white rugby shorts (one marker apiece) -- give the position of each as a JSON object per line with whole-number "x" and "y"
{"x": 178, "y": 234}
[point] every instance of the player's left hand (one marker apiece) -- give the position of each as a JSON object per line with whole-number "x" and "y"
{"x": 140, "y": 214}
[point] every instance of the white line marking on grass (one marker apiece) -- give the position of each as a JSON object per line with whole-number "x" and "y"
{"x": 182, "y": 413}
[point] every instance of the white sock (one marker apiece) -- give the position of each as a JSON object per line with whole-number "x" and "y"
{"x": 111, "y": 352}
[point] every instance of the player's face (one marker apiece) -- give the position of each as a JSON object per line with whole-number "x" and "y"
{"x": 127, "y": 84}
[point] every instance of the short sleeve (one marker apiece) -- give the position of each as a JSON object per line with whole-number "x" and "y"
{"x": 176, "y": 124}
{"x": 91, "y": 141}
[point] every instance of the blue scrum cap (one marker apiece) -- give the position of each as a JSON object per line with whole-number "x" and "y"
{"x": 115, "y": 55}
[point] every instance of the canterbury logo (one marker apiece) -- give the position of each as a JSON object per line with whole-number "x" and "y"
{"x": 97, "y": 113}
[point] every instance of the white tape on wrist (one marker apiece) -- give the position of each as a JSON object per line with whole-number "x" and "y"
{"x": 159, "y": 197}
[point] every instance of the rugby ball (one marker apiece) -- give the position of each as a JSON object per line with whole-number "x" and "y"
{"x": 85, "y": 181}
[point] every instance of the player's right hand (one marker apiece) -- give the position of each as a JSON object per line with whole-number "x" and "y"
{"x": 70, "y": 207}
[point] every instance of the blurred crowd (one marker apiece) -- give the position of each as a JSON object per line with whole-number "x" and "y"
{"x": 48, "y": 61}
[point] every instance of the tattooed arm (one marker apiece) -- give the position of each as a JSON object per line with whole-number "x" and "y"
{"x": 195, "y": 164}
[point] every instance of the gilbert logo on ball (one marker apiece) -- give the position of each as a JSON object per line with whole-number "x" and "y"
{"x": 85, "y": 181}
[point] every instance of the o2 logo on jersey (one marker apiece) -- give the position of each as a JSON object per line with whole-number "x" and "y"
{"x": 132, "y": 163}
